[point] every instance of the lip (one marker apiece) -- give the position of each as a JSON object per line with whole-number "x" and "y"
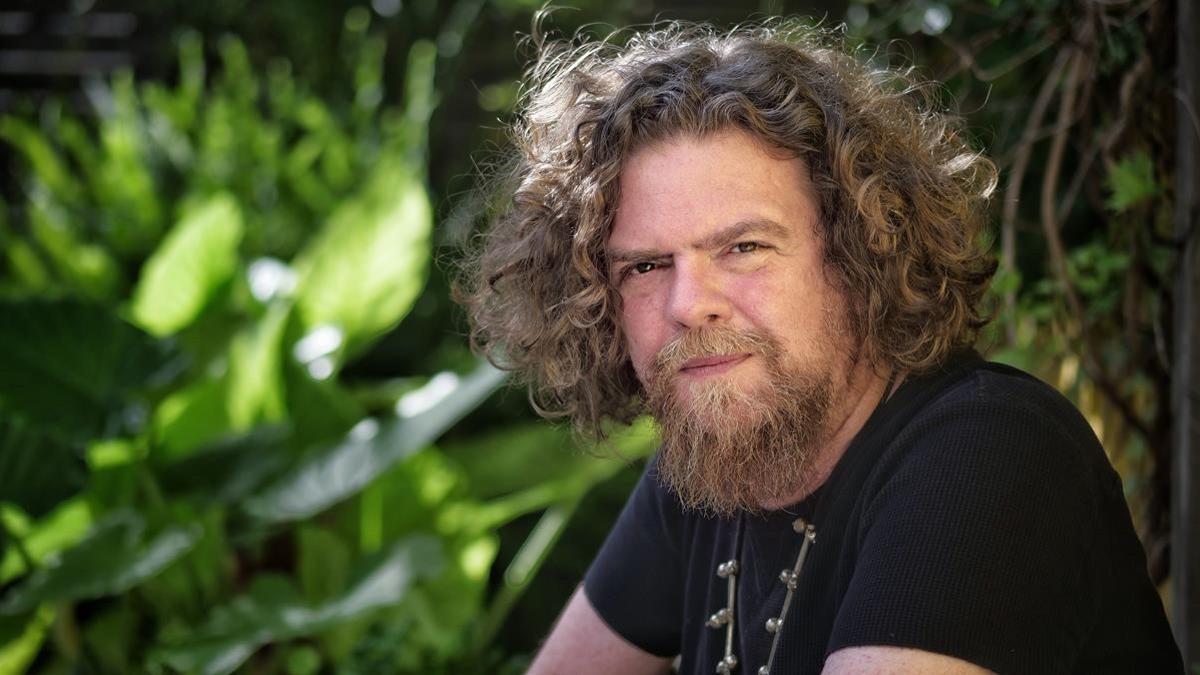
{"x": 711, "y": 365}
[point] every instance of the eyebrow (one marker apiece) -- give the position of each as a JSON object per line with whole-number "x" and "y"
{"x": 719, "y": 239}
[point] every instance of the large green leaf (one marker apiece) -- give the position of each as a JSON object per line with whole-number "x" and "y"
{"x": 228, "y": 470}
{"x": 114, "y": 557}
{"x": 274, "y": 610}
{"x": 363, "y": 271}
{"x": 36, "y": 471}
{"x": 72, "y": 368}
{"x": 523, "y": 456}
{"x": 197, "y": 257}
{"x": 332, "y": 473}
{"x": 567, "y": 479}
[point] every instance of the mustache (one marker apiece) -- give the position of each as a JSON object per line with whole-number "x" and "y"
{"x": 711, "y": 341}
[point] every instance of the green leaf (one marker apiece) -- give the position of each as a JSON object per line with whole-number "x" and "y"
{"x": 85, "y": 268}
{"x": 228, "y": 470}
{"x": 447, "y": 606}
{"x": 363, "y": 271}
{"x": 125, "y": 186}
{"x": 37, "y": 472}
{"x": 537, "y": 454}
{"x": 198, "y": 256}
{"x": 321, "y": 411}
{"x": 255, "y": 379}
{"x": 113, "y": 558}
{"x": 273, "y": 610}
{"x": 45, "y": 161}
{"x": 1131, "y": 182}
{"x": 73, "y": 368}
{"x": 192, "y": 417}
{"x": 324, "y": 563}
{"x": 108, "y": 635}
{"x": 333, "y": 473}
{"x": 65, "y": 527}
{"x": 21, "y": 638}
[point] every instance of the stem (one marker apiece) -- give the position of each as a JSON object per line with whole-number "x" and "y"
{"x": 524, "y": 567}
{"x": 1050, "y": 227}
{"x": 1012, "y": 193}
{"x": 18, "y": 544}
{"x": 150, "y": 485}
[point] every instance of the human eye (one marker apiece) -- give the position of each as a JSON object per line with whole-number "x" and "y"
{"x": 745, "y": 247}
{"x": 636, "y": 269}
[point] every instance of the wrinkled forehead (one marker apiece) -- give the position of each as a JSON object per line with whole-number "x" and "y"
{"x": 691, "y": 185}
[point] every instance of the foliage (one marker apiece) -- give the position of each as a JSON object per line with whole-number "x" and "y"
{"x": 238, "y": 426}
{"x": 1075, "y": 102}
{"x": 190, "y": 481}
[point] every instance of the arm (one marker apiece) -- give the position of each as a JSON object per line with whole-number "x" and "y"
{"x": 582, "y": 643}
{"x": 896, "y": 661}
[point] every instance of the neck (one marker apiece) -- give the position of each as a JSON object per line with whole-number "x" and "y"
{"x": 864, "y": 390}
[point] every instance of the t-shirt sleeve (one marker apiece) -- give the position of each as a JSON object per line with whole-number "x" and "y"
{"x": 976, "y": 544}
{"x": 635, "y": 584}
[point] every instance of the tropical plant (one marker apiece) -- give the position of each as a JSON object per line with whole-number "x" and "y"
{"x": 188, "y": 479}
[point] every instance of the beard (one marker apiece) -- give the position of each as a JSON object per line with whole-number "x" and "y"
{"x": 725, "y": 447}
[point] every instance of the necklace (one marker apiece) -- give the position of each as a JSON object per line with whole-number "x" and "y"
{"x": 728, "y": 570}
{"x": 724, "y": 617}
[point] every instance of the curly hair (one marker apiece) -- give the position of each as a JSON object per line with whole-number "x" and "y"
{"x": 902, "y": 199}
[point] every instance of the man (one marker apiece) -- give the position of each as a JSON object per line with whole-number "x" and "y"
{"x": 768, "y": 247}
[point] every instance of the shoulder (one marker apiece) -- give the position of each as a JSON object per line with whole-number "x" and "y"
{"x": 1000, "y": 424}
{"x": 977, "y": 528}
{"x": 992, "y": 396}
{"x": 996, "y": 446}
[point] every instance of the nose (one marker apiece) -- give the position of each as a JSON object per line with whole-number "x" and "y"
{"x": 697, "y": 295}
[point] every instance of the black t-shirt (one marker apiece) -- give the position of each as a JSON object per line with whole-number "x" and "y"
{"x": 974, "y": 515}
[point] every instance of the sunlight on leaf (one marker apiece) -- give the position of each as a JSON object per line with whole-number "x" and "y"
{"x": 363, "y": 272}
{"x": 197, "y": 257}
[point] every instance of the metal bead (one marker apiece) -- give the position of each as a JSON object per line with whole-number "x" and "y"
{"x": 763, "y": 671}
{"x": 727, "y": 568}
{"x": 719, "y": 619}
{"x": 774, "y": 624}
{"x": 788, "y": 578}
{"x": 799, "y": 525}
{"x": 730, "y": 661}
{"x": 722, "y": 669}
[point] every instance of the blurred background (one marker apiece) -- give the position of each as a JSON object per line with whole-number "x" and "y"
{"x": 240, "y": 428}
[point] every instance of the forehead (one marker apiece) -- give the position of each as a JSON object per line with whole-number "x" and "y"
{"x": 685, "y": 187}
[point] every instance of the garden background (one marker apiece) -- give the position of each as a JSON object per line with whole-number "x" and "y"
{"x": 240, "y": 428}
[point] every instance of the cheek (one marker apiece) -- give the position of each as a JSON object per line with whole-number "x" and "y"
{"x": 640, "y": 334}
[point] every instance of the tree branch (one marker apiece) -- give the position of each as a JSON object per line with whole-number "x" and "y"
{"x": 1012, "y": 192}
{"x": 1058, "y": 259}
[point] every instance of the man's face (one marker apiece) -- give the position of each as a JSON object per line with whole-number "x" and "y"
{"x": 730, "y": 322}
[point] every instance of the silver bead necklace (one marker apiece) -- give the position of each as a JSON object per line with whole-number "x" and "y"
{"x": 728, "y": 570}
{"x": 724, "y": 617}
